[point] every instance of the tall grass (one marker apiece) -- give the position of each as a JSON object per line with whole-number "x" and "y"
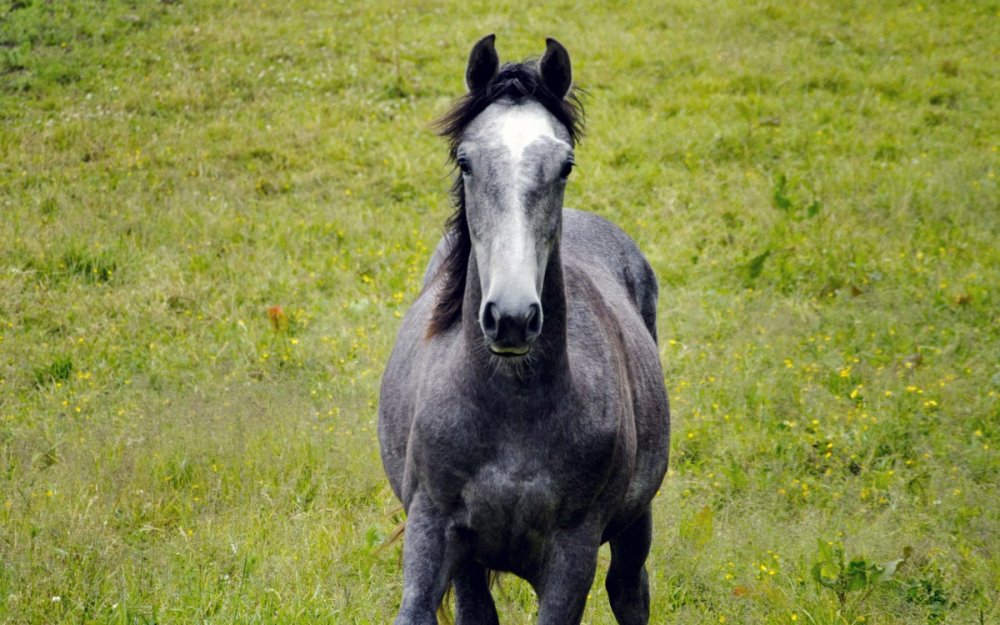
{"x": 212, "y": 215}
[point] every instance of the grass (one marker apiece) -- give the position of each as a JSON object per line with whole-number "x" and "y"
{"x": 815, "y": 186}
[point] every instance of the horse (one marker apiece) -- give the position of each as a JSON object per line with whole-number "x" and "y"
{"x": 523, "y": 418}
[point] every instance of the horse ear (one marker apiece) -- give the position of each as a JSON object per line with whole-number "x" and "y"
{"x": 484, "y": 63}
{"x": 555, "y": 68}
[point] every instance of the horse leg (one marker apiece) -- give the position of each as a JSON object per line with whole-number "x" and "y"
{"x": 567, "y": 576}
{"x": 473, "y": 601}
{"x": 431, "y": 554}
{"x": 627, "y": 582}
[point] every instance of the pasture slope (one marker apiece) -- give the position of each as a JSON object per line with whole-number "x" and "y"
{"x": 212, "y": 215}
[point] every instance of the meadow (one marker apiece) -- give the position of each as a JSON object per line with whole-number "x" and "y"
{"x": 214, "y": 213}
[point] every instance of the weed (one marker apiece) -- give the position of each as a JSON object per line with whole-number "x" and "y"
{"x": 58, "y": 370}
{"x": 831, "y": 571}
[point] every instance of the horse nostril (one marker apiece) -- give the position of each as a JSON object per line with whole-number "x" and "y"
{"x": 491, "y": 321}
{"x": 533, "y": 323}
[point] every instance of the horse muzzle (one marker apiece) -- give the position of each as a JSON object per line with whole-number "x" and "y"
{"x": 510, "y": 330}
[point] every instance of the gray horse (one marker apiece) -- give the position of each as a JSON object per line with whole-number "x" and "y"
{"x": 523, "y": 418}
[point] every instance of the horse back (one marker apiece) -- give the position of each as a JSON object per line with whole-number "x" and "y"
{"x": 596, "y": 242}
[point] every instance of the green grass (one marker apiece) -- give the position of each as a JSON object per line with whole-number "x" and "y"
{"x": 815, "y": 185}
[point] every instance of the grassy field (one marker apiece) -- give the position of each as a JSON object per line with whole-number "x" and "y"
{"x": 213, "y": 214}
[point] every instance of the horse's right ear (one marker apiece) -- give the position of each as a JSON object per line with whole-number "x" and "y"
{"x": 484, "y": 63}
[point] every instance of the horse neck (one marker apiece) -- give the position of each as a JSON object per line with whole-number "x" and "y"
{"x": 548, "y": 354}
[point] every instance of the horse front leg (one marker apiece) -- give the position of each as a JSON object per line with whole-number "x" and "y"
{"x": 567, "y": 576}
{"x": 473, "y": 600}
{"x": 627, "y": 582}
{"x": 432, "y": 552}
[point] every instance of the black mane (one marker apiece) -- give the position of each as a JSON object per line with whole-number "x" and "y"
{"x": 517, "y": 81}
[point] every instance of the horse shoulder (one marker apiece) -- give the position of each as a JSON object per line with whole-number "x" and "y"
{"x": 616, "y": 354}
{"x": 446, "y": 444}
{"x": 412, "y": 356}
{"x": 599, "y": 347}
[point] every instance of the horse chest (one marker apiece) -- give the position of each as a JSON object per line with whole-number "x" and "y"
{"x": 512, "y": 483}
{"x": 506, "y": 495}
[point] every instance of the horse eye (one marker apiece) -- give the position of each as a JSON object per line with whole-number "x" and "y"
{"x": 566, "y": 169}
{"x": 463, "y": 165}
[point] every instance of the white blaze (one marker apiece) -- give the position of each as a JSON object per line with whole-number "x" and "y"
{"x": 516, "y": 129}
{"x": 514, "y": 264}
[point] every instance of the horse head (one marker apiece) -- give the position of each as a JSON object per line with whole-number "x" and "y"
{"x": 512, "y": 140}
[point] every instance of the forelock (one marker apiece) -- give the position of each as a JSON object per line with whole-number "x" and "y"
{"x": 514, "y": 81}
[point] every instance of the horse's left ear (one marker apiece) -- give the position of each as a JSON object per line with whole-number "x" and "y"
{"x": 555, "y": 68}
